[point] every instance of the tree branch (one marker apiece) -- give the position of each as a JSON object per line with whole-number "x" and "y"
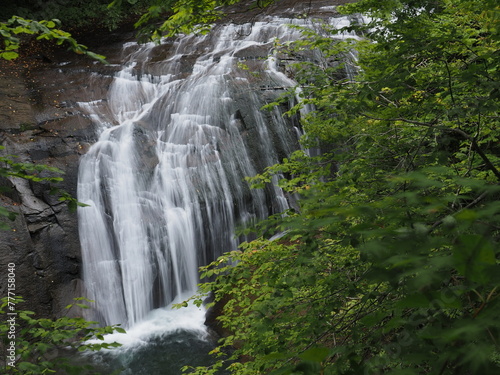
{"x": 460, "y": 132}
{"x": 471, "y": 204}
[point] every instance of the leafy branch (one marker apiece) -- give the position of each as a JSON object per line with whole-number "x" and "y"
{"x": 11, "y": 30}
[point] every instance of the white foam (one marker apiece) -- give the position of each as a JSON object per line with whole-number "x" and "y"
{"x": 160, "y": 322}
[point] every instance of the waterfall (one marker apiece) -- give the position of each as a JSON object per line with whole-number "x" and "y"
{"x": 178, "y": 132}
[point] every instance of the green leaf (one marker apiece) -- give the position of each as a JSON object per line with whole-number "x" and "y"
{"x": 9, "y": 55}
{"x": 28, "y": 367}
{"x": 473, "y": 255}
{"x": 318, "y": 354}
{"x": 413, "y": 300}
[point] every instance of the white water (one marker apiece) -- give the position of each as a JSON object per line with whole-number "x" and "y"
{"x": 159, "y": 323}
{"x": 178, "y": 133}
{"x": 162, "y": 343}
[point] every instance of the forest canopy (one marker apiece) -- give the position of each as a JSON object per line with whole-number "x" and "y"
{"x": 390, "y": 262}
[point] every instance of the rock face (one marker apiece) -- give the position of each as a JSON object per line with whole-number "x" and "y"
{"x": 41, "y": 122}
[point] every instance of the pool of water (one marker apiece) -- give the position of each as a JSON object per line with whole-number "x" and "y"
{"x": 161, "y": 344}
{"x": 164, "y": 355}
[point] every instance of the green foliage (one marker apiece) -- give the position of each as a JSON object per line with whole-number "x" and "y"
{"x": 184, "y": 16}
{"x": 75, "y": 13}
{"x": 39, "y": 345}
{"x": 11, "y": 30}
{"x": 155, "y": 19}
{"x": 390, "y": 265}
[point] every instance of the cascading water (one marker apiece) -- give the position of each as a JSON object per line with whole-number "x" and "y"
{"x": 179, "y": 131}
{"x": 164, "y": 185}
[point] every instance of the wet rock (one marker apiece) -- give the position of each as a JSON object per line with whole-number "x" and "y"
{"x": 41, "y": 122}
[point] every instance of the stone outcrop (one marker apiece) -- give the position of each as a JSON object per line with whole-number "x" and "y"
{"x": 40, "y": 122}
